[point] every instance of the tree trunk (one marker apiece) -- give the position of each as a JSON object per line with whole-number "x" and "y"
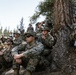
{"x": 62, "y": 57}
{"x": 62, "y": 28}
{"x": 62, "y": 14}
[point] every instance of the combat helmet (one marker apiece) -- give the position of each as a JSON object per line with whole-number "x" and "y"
{"x": 32, "y": 33}
{"x": 16, "y": 32}
{"x": 45, "y": 28}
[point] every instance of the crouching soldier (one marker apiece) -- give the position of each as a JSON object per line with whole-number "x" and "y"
{"x": 7, "y": 51}
{"x": 48, "y": 41}
{"x": 6, "y": 56}
{"x": 31, "y": 55}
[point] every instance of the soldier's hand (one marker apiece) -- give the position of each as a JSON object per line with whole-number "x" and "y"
{"x": 43, "y": 37}
{"x": 17, "y": 56}
{"x": 1, "y": 53}
{"x": 19, "y": 61}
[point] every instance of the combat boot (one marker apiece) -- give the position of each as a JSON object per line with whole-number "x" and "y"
{"x": 27, "y": 73}
{"x": 16, "y": 72}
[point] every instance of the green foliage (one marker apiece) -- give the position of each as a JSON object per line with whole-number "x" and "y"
{"x": 21, "y": 26}
{"x": 0, "y": 30}
{"x": 44, "y": 8}
{"x": 6, "y": 32}
{"x": 74, "y": 1}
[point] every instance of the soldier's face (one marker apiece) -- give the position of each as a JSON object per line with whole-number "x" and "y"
{"x": 5, "y": 45}
{"x": 29, "y": 39}
{"x": 1, "y": 46}
{"x": 44, "y": 32}
{"x": 75, "y": 31}
{"x": 15, "y": 35}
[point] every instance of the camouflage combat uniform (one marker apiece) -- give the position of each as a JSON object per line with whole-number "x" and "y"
{"x": 17, "y": 41}
{"x": 30, "y": 28}
{"x": 7, "y": 54}
{"x": 38, "y": 29}
{"x": 48, "y": 43}
{"x": 6, "y": 57}
{"x": 33, "y": 53}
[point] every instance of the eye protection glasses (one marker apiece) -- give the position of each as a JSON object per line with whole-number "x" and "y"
{"x": 28, "y": 36}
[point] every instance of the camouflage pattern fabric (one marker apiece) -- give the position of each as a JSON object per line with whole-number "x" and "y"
{"x": 47, "y": 42}
{"x": 17, "y": 41}
{"x": 31, "y": 54}
{"x": 8, "y": 55}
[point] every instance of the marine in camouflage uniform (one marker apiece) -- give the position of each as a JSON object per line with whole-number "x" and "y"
{"x": 30, "y": 28}
{"x": 38, "y": 29}
{"x": 30, "y": 57}
{"x": 48, "y": 42}
{"x": 7, "y": 53}
{"x": 3, "y": 39}
{"x": 17, "y": 40}
{"x": 6, "y": 56}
